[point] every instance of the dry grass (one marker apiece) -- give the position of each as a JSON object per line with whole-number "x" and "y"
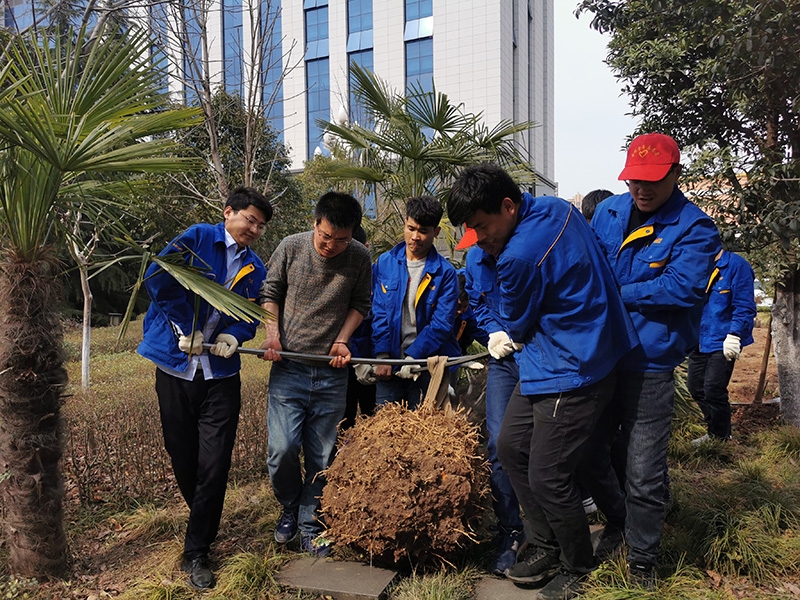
{"x": 732, "y": 531}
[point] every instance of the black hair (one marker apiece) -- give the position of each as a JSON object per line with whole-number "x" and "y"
{"x": 591, "y": 200}
{"x": 359, "y": 234}
{"x": 481, "y": 187}
{"x": 341, "y": 210}
{"x": 425, "y": 210}
{"x": 241, "y": 197}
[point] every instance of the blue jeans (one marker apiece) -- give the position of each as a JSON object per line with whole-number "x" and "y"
{"x": 708, "y": 378}
{"x": 397, "y": 389}
{"x": 500, "y": 383}
{"x": 646, "y": 403}
{"x": 306, "y": 404}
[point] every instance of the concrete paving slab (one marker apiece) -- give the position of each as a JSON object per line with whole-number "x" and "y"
{"x": 494, "y": 588}
{"x": 341, "y": 580}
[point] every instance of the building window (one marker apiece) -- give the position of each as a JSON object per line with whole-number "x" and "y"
{"x": 418, "y": 9}
{"x": 318, "y": 100}
{"x": 232, "y": 49}
{"x": 363, "y": 59}
{"x": 359, "y": 15}
{"x": 419, "y": 64}
{"x": 272, "y": 64}
{"x": 316, "y": 33}
{"x": 318, "y": 96}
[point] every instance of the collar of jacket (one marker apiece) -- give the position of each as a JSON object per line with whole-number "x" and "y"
{"x": 433, "y": 262}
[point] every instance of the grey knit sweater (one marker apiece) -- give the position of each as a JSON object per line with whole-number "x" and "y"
{"x": 315, "y": 293}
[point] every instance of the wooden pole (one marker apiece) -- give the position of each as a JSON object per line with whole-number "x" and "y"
{"x": 762, "y": 376}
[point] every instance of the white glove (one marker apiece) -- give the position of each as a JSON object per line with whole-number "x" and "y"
{"x": 731, "y": 347}
{"x": 225, "y": 345}
{"x": 365, "y": 374}
{"x": 405, "y": 371}
{"x": 191, "y": 344}
{"x": 500, "y": 344}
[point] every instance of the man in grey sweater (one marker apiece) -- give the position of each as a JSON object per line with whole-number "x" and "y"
{"x": 318, "y": 285}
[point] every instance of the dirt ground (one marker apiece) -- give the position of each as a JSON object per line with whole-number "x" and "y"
{"x": 746, "y": 416}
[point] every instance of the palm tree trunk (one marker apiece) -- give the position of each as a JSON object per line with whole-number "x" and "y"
{"x": 32, "y": 379}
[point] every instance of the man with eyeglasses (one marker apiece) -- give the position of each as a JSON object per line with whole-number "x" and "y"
{"x": 662, "y": 250}
{"x": 199, "y": 391}
{"x": 318, "y": 285}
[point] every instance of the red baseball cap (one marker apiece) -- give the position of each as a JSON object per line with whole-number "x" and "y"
{"x": 470, "y": 238}
{"x": 650, "y": 157}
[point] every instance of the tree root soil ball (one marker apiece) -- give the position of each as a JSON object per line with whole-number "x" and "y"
{"x": 405, "y": 485}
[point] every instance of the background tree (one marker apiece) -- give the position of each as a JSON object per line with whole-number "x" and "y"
{"x": 412, "y": 144}
{"x": 722, "y": 77}
{"x": 178, "y": 201}
{"x": 69, "y": 112}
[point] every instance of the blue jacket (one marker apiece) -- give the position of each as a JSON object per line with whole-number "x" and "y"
{"x": 436, "y": 306}
{"x": 204, "y": 246}
{"x": 484, "y": 295}
{"x": 361, "y": 340}
{"x": 558, "y": 297}
{"x": 731, "y": 304}
{"x": 662, "y": 269}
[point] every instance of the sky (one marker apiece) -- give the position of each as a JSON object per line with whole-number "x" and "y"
{"x": 591, "y": 125}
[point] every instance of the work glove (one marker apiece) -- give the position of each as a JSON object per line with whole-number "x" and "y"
{"x": 406, "y": 372}
{"x": 500, "y": 345}
{"x": 225, "y": 345}
{"x": 365, "y": 374}
{"x": 191, "y": 344}
{"x": 731, "y": 347}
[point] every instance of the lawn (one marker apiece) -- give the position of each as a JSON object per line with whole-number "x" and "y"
{"x": 732, "y": 529}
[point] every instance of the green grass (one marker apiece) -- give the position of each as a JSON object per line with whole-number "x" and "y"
{"x": 732, "y": 531}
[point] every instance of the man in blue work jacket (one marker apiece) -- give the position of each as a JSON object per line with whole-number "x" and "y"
{"x": 662, "y": 249}
{"x": 557, "y": 300}
{"x": 501, "y": 380}
{"x": 725, "y": 328}
{"x": 199, "y": 391}
{"x": 414, "y": 304}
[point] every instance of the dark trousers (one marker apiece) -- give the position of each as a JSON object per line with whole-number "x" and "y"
{"x": 708, "y": 378}
{"x": 199, "y": 420}
{"x": 541, "y": 444}
{"x": 359, "y": 396}
{"x": 601, "y": 474}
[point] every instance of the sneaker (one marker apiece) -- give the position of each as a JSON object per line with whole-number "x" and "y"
{"x": 589, "y": 507}
{"x": 563, "y": 586}
{"x": 703, "y": 439}
{"x": 286, "y": 530}
{"x": 643, "y": 576}
{"x": 610, "y": 541}
{"x": 315, "y": 544}
{"x": 509, "y": 547}
{"x": 540, "y": 567}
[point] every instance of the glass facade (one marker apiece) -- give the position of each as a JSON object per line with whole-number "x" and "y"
{"x": 272, "y": 64}
{"x": 419, "y": 64}
{"x": 318, "y": 77}
{"x": 232, "y": 48}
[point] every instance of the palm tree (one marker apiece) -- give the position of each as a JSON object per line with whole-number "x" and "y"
{"x": 75, "y": 117}
{"x": 414, "y": 144}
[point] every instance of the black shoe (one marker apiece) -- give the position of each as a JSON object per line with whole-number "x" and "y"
{"x": 538, "y": 568}
{"x": 610, "y": 541}
{"x": 643, "y": 576}
{"x": 563, "y": 586}
{"x": 200, "y": 575}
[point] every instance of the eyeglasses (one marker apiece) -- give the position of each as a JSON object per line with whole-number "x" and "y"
{"x": 253, "y": 222}
{"x": 329, "y": 239}
{"x": 650, "y": 184}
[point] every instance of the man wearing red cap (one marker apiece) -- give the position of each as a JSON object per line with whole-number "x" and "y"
{"x": 662, "y": 249}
